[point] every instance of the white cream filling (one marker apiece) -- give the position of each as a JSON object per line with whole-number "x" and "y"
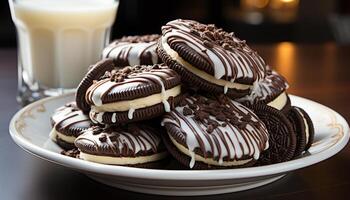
{"x": 209, "y": 161}
{"x": 68, "y": 139}
{"x": 143, "y": 102}
{"x": 306, "y": 127}
{"x": 279, "y": 102}
{"x": 122, "y": 160}
{"x": 175, "y": 56}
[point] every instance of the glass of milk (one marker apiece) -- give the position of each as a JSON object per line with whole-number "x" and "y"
{"x": 57, "y": 41}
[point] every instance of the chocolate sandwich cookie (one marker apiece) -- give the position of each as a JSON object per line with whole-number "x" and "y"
{"x": 134, "y": 93}
{"x": 208, "y": 133}
{"x": 133, "y": 50}
{"x": 67, "y": 123}
{"x": 210, "y": 58}
{"x": 282, "y": 138}
{"x": 303, "y": 128}
{"x": 135, "y": 145}
{"x": 95, "y": 72}
{"x": 270, "y": 91}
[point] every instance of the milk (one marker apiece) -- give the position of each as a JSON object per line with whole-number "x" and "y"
{"x": 59, "y": 39}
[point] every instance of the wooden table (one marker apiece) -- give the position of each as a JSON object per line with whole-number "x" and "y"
{"x": 318, "y": 72}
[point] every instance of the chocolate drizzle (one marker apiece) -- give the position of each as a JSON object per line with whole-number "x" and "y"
{"x": 133, "y": 50}
{"x": 217, "y": 128}
{"x": 223, "y": 55}
{"x": 70, "y": 120}
{"x": 127, "y": 141}
{"x": 266, "y": 90}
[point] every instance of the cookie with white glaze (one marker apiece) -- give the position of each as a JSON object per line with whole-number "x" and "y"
{"x": 133, "y": 50}
{"x": 270, "y": 91}
{"x": 132, "y": 94}
{"x": 136, "y": 145}
{"x": 67, "y": 123}
{"x": 208, "y": 133}
{"x": 209, "y": 58}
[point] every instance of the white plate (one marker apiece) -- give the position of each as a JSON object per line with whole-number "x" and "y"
{"x": 30, "y": 129}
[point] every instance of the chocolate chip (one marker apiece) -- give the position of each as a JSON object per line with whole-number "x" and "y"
{"x": 183, "y": 102}
{"x": 187, "y": 111}
{"x": 156, "y": 66}
{"x": 120, "y": 79}
{"x": 194, "y": 32}
{"x": 192, "y": 106}
{"x": 213, "y": 123}
{"x": 201, "y": 100}
{"x": 220, "y": 117}
{"x": 211, "y": 27}
{"x": 210, "y": 129}
{"x": 126, "y": 70}
{"x": 202, "y": 115}
{"x": 208, "y": 44}
{"x": 226, "y": 46}
{"x": 114, "y": 137}
{"x": 246, "y": 118}
{"x": 103, "y": 138}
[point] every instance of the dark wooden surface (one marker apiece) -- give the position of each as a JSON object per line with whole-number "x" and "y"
{"x": 318, "y": 72}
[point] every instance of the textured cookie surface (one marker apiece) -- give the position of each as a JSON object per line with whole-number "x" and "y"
{"x": 282, "y": 138}
{"x": 299, "y": 126}
{"x": 133, "y": 50}
{"x": 217, "y": 132}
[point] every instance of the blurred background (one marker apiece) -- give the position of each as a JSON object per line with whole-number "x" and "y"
{"x": 257, "y": 21}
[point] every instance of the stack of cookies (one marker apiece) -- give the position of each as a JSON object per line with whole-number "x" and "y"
{"x": 195, "y": 94}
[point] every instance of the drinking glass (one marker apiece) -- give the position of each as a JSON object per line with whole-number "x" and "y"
{"x": 57, "y": 41}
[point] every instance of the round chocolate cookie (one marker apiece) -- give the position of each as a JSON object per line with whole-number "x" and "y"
{"x": 210, "y": 58}
{"x": 299, "y": 126}
{"x": 94, "y": 73}
{"x": 135, "y": 145}
{"x": 133, "y": 94}
{"x": 67, "y": 123}
{"x": 133, "y": 50}
{"x": 270, "y": 91}
{"x": 303, "y": 127}
{"x": 282, "y": 138}
{"x": 208, "y": 133}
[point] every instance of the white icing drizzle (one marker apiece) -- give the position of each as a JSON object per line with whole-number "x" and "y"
{"x": 227, "y": 142}
{"x": 97, "y": 117}
{"x": 225, "y": 89}
{"x": 193, "y": 158}
{"x": 69, "y": 115}
{"x": 165, "y": 102}
{"x": 132, "y": 52}
{"x": 114, "y": 119}
{"x": 98, "y": 90}
{"x": 145, "y": 140}
{"x": 272, "y": 85}
{"x": 131, "y": 113}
